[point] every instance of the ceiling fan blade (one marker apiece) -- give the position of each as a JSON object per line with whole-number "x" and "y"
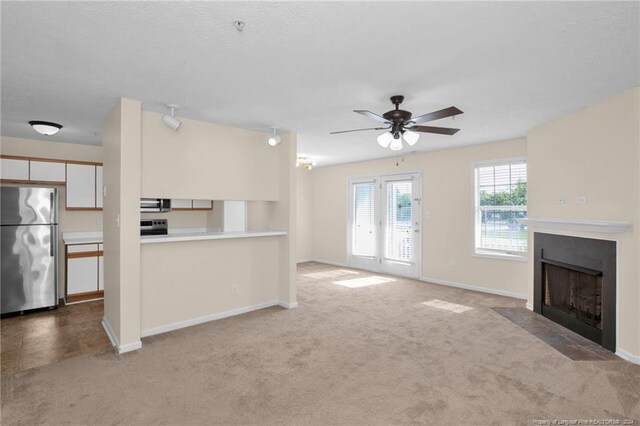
{"x": 436, "y": 115}
{"x": 431, "y": 129}
{"x": 372, "y": 115}
{"x": 359, "y": 130}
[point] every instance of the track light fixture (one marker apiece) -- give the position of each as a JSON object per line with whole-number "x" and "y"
{"x": 171, "y": 120}
{"x": 275, "y": 138}
{"x": 46, "y": 128}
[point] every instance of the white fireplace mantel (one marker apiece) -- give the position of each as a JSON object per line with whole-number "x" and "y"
{"x": 608, "y": 226}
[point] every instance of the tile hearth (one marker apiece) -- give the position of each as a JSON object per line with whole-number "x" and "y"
{"x": 565, "y": 341}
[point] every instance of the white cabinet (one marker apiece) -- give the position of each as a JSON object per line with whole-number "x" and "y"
{"x": 181, "y": 204}
{"x": 81, "y": 186}
{"x": 14, "y": 169}
{"x": 202, "y": 204}
{"x": 99, "y": 185}
{"x": 82, "y": 275}
{"x": 235, "y": 216}
{"x": 101, "y": 273}
{"x": 47, "y": 171}
{"x": 84, "y": 272}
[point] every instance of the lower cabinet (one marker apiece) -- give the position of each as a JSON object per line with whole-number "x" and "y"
{"x": 84, "y": 273}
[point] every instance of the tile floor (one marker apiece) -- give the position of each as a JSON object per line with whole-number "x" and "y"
{"x": 45, "y": 337}
{"x": 565, "y": 341}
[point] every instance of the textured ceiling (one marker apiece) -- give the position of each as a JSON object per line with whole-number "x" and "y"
{"x": 305, "y": 66}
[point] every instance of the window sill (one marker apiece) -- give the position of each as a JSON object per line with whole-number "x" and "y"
{"x": 501, "y": 256}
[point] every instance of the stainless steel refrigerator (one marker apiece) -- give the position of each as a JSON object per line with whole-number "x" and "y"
{"x": 29, "y": 243}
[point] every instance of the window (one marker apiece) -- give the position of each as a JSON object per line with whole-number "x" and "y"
{"x": 364, "y": 225}
{"x": 500, "y": 202}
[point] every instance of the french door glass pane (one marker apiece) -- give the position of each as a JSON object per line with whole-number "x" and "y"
{"x": 399, "y": 237}
{"x": 364, "y": 239}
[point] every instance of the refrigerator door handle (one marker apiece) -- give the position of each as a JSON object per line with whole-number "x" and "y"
{"x": 51, "y": 211}
{"x": 51, "y": 242}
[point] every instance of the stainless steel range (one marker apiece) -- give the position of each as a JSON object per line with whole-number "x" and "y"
{"x": 153, "y": 227}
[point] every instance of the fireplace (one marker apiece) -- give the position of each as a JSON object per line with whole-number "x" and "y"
{"x": 575, "y": 285}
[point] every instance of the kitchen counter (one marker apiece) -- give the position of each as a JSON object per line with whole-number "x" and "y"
{"x": 70, "y": 238}
{"x": 208, "y": 235}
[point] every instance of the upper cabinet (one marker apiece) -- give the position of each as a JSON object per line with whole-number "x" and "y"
{"x": 83, "y": 179}
{"x": 99, "y": 186}
{"x": 82, "y": 187}
{"x": 202, "y": 204}
{"x": 184, "y": 204}
{"x": 14, "y": 169}
{"x": 47, "y": 171}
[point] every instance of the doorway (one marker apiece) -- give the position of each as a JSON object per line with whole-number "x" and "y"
{"x": 384, "y": 224}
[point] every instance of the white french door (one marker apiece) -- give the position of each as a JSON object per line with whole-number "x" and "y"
{"x": 384, "y": 224}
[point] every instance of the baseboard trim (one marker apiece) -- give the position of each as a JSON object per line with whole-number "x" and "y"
{"x": 116, "y": 343}
{"x": 130, "y": 347}
{"x": 475, "y": 288}
{"x": 288, "y": 305}
{"x": 110, "y": 333}
{"x": 529, "y": 306}
{"x": 628, "y": 356}
{"x": 212, "y": 317}
{"x": 304, "y": 261}
{"x": 329, "y": 262}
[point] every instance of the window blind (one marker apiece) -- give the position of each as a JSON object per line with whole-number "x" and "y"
{"x": 501, "y": 200}
{"x": 399, "y": 242}
{"x": 364, "y": 238}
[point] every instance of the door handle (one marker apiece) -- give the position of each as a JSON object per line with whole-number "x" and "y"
{"x": 416, "y": 230}
{"x": 51, "y": 212}
{"x": 52, "y": 228}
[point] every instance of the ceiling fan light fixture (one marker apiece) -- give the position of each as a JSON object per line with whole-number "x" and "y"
{"x": 274, "y": 139}
{"x": 46, "y": 128}
{"x": 396, "y": 144}
{"x": 410, "y": 137}
{"x": 385, "y": 139}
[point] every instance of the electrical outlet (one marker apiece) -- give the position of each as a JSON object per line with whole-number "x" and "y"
{"x": 452, "y": 266}
{"x": 234, "y": 289}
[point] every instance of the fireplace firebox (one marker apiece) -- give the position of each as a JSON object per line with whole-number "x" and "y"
{"x": 575, "y": 285}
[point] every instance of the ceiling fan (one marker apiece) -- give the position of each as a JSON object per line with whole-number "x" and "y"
{"x": 403, "y": 127}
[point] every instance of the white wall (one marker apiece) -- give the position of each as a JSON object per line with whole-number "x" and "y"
{"x": 188, "y": 280}
{"x": 305, "y": 208}
{"x": 594, "y": 152}
{"x": 121, "y": 132}
{"x": 206, "y": 161}
{"x": 447, "y": 208}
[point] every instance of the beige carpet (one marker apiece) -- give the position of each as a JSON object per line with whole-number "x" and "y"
{"x": 351, "y": 353}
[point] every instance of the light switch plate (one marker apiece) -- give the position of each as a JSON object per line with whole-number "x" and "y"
{"x": 581, "y": 199}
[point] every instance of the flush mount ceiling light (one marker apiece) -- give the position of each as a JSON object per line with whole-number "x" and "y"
{"x": 304, "y": 163}
{"x": 275, "y": 138}
{"x": 171, "y": 120}
{"x": 45, "y": 127}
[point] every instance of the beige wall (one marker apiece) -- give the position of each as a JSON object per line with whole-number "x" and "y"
{"x": 69, "y": 220}
{"x": 594, "y": 152}
{"x": 304, "y": 211}
{"x": 447, "y": 209}
{"x": 183, "y": 281}
{"x": 121, "y": 133}
{"x": 209, "y": 161}
{"x": 206, "y": 161}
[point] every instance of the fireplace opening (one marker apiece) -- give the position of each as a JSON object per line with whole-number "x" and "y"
{"x": 574, "y": 285}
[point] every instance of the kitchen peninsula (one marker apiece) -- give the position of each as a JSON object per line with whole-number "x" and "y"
{"x": 159, "y": 283}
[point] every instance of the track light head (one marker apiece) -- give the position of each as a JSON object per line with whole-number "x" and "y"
{"x": 274, "y": 139}
{"x": 171, "y": 120}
